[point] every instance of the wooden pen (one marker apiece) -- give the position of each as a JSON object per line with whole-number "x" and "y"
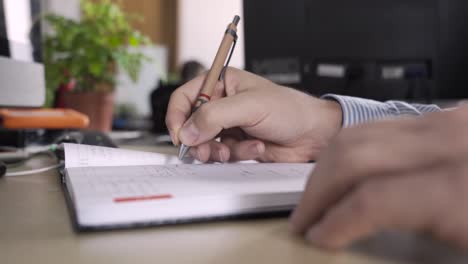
{"x": 216, "y": 71}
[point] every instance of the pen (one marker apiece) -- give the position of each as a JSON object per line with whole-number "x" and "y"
{"x": 216, "y": 72}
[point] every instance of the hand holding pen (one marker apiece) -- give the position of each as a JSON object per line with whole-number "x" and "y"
{"x": 254, "y": 118}
{"x": 216, "y": 71}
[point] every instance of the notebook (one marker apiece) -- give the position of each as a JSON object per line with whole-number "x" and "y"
{"x": 110, "y": 188}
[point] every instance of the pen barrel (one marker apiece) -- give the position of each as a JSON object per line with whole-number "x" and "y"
{"x": 201, "y": 99}
{"x": 218, "y": 64}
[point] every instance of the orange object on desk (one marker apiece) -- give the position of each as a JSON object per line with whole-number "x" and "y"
{"x": 47, "y": 118}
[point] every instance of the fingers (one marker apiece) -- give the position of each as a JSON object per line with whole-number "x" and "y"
{"x": 240, "y": 110}
{"x": 232, "y": 149}
{"x": 373, "y": 150}
{"x": 244, "y": 150}
{"x": 210, "y": 151}
{"x": 201, "y": 153}
{"x": 228, "y": 150}
{"x": 181, "y": 102}
{"x": 180, "y": 105}
{"x": 372, "y": 153}
{"x": 409, "y": 203}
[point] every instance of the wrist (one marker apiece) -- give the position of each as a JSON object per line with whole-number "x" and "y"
{"x": 325, "y": 115}
{"x": 332, "y": 115}
{"x": 323, "y": 121}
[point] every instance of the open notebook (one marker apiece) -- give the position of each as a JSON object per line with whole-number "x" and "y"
{"x": 116, "y": 188}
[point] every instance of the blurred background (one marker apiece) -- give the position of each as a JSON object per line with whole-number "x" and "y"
{"x": 180, "y": 31}
{"x": 118, "y": 61}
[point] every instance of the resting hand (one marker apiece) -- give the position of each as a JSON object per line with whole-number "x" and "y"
{"x": 408, "y": 175}
{"x": 258, "y": 120}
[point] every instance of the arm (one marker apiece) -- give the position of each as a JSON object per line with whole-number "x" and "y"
{"x": 407, "y": 174}
{"x": 358, "y": 110}
{"x": 258, "y": 119}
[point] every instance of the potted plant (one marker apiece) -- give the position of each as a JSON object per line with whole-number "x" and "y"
{"x": 81, "y": 58}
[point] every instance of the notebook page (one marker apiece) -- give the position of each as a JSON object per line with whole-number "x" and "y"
{"x": 142, "y": 194}
{"x": 111, "y": 183}
{"x": 78, "y": 155}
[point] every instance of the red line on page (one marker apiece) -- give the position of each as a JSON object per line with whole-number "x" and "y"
{"x": 142, "y": 198}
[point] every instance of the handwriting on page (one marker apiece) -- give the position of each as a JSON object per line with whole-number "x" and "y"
{"x": 188, "y": 180}
{"x": 77, "y": 155}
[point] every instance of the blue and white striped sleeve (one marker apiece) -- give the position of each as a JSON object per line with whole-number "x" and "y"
{"x": 358, "y": 110}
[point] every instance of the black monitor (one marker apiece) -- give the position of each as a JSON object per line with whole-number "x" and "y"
{"x": 388, "y": 49}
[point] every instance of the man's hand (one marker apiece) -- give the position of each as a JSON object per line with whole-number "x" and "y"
{"x": 409, "y": 175}
{"x": 257, "y": 120}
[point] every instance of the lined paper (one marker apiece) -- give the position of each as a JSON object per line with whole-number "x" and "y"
{"x": 78, "y": 155}
{"x": 110, "y": 183}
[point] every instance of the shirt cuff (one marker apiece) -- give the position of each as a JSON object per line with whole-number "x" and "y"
{"x": 358, "y": 110}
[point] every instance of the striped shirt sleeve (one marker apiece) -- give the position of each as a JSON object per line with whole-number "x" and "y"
{"x": 358, "y": 110}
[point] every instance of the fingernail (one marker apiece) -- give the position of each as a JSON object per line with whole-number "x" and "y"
{"x": 256, "y": 149}
{"x": 189, "y": 133}
{"x": 223, "y": 156}
{"x": 173, "y": 136}
{"x": 193, "y": 153}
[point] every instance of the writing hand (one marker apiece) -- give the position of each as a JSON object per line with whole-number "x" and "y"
{"x": 258, "y": 119}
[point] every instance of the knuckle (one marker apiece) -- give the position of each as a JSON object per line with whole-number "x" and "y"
{"x": 230, "y": 73}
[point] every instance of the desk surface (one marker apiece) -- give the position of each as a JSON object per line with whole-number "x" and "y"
{"x": 35, "y": 228}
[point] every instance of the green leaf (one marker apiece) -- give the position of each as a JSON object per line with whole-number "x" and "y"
{"x": 87, "y": 49}
{"x": 133, "y": 41}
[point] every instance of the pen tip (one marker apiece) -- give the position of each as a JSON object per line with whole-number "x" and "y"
{"x": 183, "y": 151}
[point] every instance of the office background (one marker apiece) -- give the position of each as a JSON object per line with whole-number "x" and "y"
{"x": 35, "y": 226}
{"x": 182, "y": 30}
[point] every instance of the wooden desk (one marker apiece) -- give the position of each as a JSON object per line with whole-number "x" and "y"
{"x": 35, "y": 228}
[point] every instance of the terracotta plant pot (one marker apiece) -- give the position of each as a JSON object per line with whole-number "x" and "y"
{"x": 98, "y": 106}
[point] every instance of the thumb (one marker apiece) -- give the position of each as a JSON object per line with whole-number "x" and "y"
{"x": 228, "y": 112}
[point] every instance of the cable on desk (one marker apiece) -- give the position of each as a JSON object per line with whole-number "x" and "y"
{"x": 11, "y": 165}
{"x": 16, "y": 156}
{"x": 29, "y": 172}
